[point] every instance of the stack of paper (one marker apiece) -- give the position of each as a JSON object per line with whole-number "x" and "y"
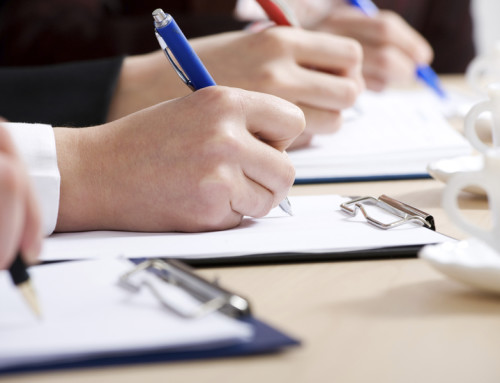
{"x": 391, "y": 135}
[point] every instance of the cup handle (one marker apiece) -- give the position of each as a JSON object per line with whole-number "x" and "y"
{"x": 454, "y": 186}
{"x": 470, "y": 125}
{"x": 473, "y": 73}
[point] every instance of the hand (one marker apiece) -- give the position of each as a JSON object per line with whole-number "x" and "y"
{"x": 391, "y": 47}
{"x": 318, "y": 72}
{"x": 20, "y": 220}
{"x": 192, "y": 164}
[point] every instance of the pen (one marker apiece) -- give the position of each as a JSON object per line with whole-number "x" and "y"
{"x": 21, "y": 279}
{"x": 190, "y": 69}
{"x": 424, "y": 72}
{"x": 279, "y": 12}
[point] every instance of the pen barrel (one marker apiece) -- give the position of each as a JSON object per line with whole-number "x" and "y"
{"x": 185, "y": 55}
{"x": 275, "y": 13}
{"x": 18, "y": 271}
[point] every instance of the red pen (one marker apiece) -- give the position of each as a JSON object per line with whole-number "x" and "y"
{"x": 279, "y": 12}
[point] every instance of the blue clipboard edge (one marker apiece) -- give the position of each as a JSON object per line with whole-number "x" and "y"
{"x": 383, "y": 177}
{"x": 267, "y": 340}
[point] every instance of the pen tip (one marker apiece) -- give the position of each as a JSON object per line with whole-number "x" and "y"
{"x": 29, "y": 295}
{"x": 286, "y": 206}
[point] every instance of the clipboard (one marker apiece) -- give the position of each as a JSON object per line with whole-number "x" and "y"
{"x": 267, "y": 340}
{"x": 403, "y": 213}
{"x": 319, "y": 231}
{"x": 264, "y": 338}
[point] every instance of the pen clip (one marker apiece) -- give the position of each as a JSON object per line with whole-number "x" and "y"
{"x": 405, "y": 212}
{"x": 185, "y": 79}
{"x": 212, "y": 297}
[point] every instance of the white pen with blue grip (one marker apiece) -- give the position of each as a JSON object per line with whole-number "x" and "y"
{"x": 190, "y": 69}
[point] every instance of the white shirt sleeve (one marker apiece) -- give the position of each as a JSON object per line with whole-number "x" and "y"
{"x": 37, "y": 146}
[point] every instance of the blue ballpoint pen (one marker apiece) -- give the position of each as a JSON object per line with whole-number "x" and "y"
{"x": 423, "y": 72}
{"x": 190, "y": 69}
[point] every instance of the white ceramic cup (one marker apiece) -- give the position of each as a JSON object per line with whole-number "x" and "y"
{"x": 491, "y": 105}
{"x": 484, "y": 70}
{"x": 486, "y": 178}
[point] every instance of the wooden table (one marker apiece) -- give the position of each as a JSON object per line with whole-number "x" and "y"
{"x": 365, "y": 321}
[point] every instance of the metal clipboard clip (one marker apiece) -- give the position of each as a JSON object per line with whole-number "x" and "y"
{"x": 405, "y": 212}
{"x": 211, "y": 296}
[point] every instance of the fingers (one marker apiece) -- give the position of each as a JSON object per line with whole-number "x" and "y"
{"x": 326, "y": 52}
{"x": 31, "y": 239}
{"x": 273, "y": 120}
{"x": 11, "y": 212}
{"x": 387, "y": 65}
{"x": 272, "y": 170}
{"x": 319, "y": 121}
{"x": 393, "y": 30}
{"x": 386, "y": 28}
{"x": 302, "y": 141}
{"x": 20, "y": 221}
{"x": 323, "y": 91}
{"x": 6, "y": 144}
{"x": 246, "y": 162}
{"x": 251, "y": 198}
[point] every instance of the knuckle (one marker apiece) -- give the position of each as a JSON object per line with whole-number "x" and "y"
{"x": 222, "y": 97}
{"x": 274, "y": 39}
{"x": 223, "y": 148}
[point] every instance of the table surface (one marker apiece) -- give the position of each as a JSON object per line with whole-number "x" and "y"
{"x": 378, "y": 321}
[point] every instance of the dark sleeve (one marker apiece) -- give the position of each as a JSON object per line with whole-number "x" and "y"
{"x": 75, "y": 94}
{"x": 74, "y": 30}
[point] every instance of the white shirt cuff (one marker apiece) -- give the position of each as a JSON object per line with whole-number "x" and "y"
{"x": 37, "y": 146}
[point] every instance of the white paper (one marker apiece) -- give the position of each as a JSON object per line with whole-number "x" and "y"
{"x": 86, "y": 313}
{"x": 317, "y": 226}
{"x": 394, "y": 133}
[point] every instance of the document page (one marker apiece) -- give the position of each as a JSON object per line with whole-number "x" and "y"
{"x": 387, "y": 135}
{"x": 317, "y": 226}
{"x": 85, "y": 314}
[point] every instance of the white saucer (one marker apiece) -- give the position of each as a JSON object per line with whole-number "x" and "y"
{"x": 442, "y": 170}
{"x": 471, "y": 262}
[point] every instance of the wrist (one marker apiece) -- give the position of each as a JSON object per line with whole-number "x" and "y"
{"x": 81, "y": 204}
